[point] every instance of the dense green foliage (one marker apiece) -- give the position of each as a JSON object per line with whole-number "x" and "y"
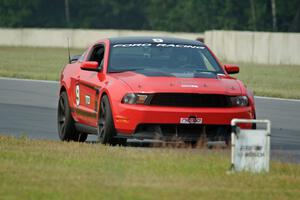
{"x": 168, "y": 15}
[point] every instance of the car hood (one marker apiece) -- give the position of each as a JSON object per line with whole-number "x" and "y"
{"x": 145, "y": 84}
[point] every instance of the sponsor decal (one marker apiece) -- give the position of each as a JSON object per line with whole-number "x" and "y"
{"x": 159, "y": 45}
{"x": 190, "y": 120}
{"x": 190, "y": 86}
{"x": 133, "y": 45}
{"x": 158, "y": 40}
{"x": 77, "y": 95}
{"x": 251, "y": 151}
{"x": 87, "y": 99}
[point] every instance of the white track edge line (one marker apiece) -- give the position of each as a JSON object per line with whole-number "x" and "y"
{"x": 27, "y": 80}
{"x": 277, "y": 98}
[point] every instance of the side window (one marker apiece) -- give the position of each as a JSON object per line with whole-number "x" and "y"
{"x": 81, "y": 58}
{"x": 209, "y": 60}
{"x": 97, "y": 54}
{"x": 207, "y": 63}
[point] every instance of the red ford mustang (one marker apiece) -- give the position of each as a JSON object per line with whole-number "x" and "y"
{"x": 150, "y": 88}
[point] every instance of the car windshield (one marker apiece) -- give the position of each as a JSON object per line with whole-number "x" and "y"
{"x": 157, "y": 59}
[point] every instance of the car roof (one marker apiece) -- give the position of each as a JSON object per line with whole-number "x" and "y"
{"x": 168, "y": 40}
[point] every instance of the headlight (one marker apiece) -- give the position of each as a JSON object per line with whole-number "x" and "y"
{"x": 132, "y": 98}
{"x": 239, "y": 101}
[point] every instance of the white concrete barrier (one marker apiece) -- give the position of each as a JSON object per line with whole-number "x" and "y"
{"x": 79, "y": 38}
{"x": 236, "y": 46}
{"x": 255, "y": 47}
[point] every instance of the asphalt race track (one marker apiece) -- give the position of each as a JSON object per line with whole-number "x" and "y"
{"x": 29, "y": 108}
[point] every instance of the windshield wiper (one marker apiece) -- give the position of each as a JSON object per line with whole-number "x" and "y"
{"x": 205, "y": 74}
{"x": 211, "y": 72}
{"x": 205, "y": 71}
{"x": 125, "y": 70}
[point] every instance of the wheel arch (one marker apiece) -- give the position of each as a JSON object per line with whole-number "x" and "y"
{"x": 62, "y": 89}
{"x": 102, "y": 94}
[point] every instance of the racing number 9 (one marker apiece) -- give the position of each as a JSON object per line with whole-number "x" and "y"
{"x": 77, "y": 92}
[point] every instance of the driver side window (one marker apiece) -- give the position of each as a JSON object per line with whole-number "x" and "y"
{"x": 97, "y": 55}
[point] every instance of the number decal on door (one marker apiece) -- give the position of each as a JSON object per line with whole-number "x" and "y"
{"x": 77, "y": 92}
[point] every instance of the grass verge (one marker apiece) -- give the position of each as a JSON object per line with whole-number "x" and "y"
{"x": 36, "y": 169}
{"x": 46, "y": 64}
{"x": 33, "y": 63}
{"x": 271, "y": 80}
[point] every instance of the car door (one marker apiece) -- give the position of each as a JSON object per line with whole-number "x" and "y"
{"x": 88, "y": 88}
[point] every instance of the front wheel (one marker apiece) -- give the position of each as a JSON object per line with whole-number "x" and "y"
{"x": 106, "y": 127}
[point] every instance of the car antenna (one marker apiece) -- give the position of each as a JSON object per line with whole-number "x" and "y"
{"x": 68, "y": 39}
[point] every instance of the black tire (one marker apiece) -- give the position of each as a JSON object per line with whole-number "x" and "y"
{"x": 254, "y": 124}
{"x": 106, "y": 127}
{"x": 65, "y": 121}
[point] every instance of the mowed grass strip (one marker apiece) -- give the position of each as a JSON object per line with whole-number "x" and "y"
{"x": 36, "y": 169}
{"x": 33, "y": 63}
{"x": 46, "y": 63}
{"x": 271, "y": 80}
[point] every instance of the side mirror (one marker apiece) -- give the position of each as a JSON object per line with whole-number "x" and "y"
{"x": 90, "y": 66}
{"x": 231, "y": 69}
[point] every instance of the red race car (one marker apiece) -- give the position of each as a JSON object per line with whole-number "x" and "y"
{"x": 150, "y": 88}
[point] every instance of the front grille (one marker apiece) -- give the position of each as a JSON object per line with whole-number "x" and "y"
{"x": 190, "y": 100}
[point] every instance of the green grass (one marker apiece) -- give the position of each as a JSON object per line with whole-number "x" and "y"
{"x": 36, "y": 169}
{"x": 46, "y": 63}
{"x": 271, "y": 80}
{"x": 33, "y": 63}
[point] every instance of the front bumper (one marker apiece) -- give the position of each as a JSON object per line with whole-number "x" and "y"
{"x": 128, "y": 117}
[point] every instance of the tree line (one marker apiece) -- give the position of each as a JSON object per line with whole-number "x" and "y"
{"x": 165, "y": 15}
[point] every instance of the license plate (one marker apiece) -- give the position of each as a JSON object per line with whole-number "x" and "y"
{"x": 190, "y": 120}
